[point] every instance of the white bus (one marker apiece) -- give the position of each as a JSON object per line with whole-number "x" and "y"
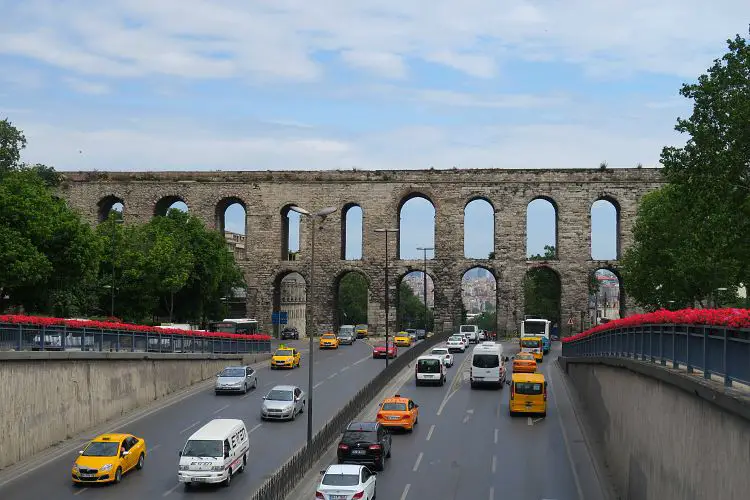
{"x": 537, "y": 327}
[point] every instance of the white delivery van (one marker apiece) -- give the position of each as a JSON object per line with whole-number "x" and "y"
{"x": 214, "y": 453}
{"x": 430, "y": 369}
{"x": 471, "y": 332}
{"x": 488, "y": 365}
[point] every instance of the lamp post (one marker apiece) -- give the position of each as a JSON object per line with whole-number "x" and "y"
{"x": 115, "y": 221}
{"x": 387, "y": 291}
{"x": 424, "y": 251}
{"x": 309, "y": 310}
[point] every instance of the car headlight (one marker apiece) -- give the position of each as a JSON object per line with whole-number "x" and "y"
{"x": 75, "y": 468}
{"x": 106, "y": 468}
{"x": 217, "y": 468}
{"x": 288, "y": 409}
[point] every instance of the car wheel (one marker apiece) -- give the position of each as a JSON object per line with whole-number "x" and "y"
{"x": 380, "y": 464}
{"x": 255, "y": 383}
{"x": 244, "y": 390}
{"x": 228, "y": 480}
{"x": 294, "y": 415}
{"x": 118, "y": 475}
{"x": 388, "y": 455}
{"x": 244, "y": 463}
{"x": 141, "y": 459}
{"x": 302, "y": 410}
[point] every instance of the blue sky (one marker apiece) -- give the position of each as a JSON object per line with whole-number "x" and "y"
{"x": 289, "y": 84}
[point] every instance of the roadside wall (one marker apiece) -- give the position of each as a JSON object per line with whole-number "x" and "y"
{"x": 665, "y": 434}
{"x": 47, "y": 397}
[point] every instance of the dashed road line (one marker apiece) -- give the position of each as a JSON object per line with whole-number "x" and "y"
{"x": 153, "y": 448}
{"x": 221, "y": 409}
{"x": 406, "y": 492}
{"x": 318, "y": 384}
{"x": 171, "y": 490}
{"x": 529, "y": 421}
{"x": 492, "y": 493}
{"x": 80, "y": 491}
{"x": 257, "y": 426}
{"x": 183, "y": 431}
{"x": 361, "y": 360}
{"x": 496, "y": 435}
{"x": 419, "y": 460}
{"x": 429, "y": 433}
{"x": 344, "y": 369}
{"x": 332, "y": 375}
{"x": 454, "y": 386}
{"x": 494, "y": 463}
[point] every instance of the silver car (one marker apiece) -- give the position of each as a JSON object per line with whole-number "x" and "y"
{"x": 283, "y": 402}
{"x": 236, "y": 379}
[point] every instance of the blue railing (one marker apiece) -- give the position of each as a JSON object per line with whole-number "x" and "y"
{"x": 21, "y": 337}
{"x": 714, "y": 350}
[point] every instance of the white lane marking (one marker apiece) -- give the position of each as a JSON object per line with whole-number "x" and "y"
{"x": 496, "y": 434}
{"x": 538, "y": 419}
{"x": 454, "y": 386}
{"x": 529, "y": 421}
{"x": 183, "y": 431}
{"x": 494, "y": 463}
{"x": 221, "y": 409}
{"x": 419, "y": 460}
{"x": 429, "y": 433}
{"x": 492, "y": 493}
{"x": 361, "y": 360}
{"x": 171, "y": 490}
{"x": 80, "y": 491}
{"x": 332, "y": 375}
{"x": 344, "y": 368}
{"x": 576, "y": 479}
{"x": 289, "y": 374}
{"x": 254, "y": 428}
{"x": 318, "y": 384}
{"x": 406, "y": 492}
{"x": 153, "y": 448}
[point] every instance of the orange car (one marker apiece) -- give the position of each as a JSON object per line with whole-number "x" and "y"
{"x": 524, "y": 362}
{"x": 398, "y": 412}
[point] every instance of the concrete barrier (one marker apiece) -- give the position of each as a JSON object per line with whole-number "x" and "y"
{"x": 47, "y": 397}
{"x": 664, "y": 434}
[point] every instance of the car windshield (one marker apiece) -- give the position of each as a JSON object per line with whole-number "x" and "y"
{"x": 203, "y": 448}
{"x": 524, "y": 357}
{"x": 529, "y": 388}
{"x": 530, "y": 343}
{"x": 329, "y": 336}
{"x": 428, "y": 366}
{"x": 381, "y": 345}
{"x": 232, "y": 372}
{"x": 359, "y": 436}
{"x": 99, "y": 449}
{"x": 279, "y": 395}
{"x": 394, "y": 407}
{"x": 485, "y": 360}
{"x": 439, "y": 352}
{"x": 467, "y": 329}
{"x": 456, "y": 338}
{"x": 283, "y": 352}
{"x": 341, "y": 479}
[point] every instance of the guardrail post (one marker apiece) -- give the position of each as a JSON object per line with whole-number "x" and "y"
{"x": 675, "y": 364}
{"x": 643, "y": 343}
{"x": 727, "y": 377}
{"x": 689, "y": 367}
{"x": 651, "y": 345}
{"x": 661, "y": 346}
{"x": 64, "y": 338}
{"x": 132, "y": 341}
{"x": 42, "y": 334}
{"x": 706, "y": 371}
{"x": 20, "y": 337}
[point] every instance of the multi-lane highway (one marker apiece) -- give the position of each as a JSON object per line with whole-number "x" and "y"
{"x": 339, "y": 374}
{"x": 467, "y": 446}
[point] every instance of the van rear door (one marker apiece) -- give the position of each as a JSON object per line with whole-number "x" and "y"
{"x": 485, "y": 367}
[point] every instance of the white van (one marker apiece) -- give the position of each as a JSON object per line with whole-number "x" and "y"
{"x": 471, "y": 332}
{"x": 214, "y": 453}
{"x": 488, "y": 365}
{"x": 430, "y": 369}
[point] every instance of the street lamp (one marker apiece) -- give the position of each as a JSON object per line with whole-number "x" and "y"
{"x": 115, "y": 221}
{"x": 387, "y": 291}
{"x": 309, "y": 310}
{"x": 424, "y": 279}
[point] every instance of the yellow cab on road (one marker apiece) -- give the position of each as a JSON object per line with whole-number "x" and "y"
{"x": 360, "y": 331}
{"x": 534, "y": 346}
{"x": 286, "y": 357}
{"x": 398, "y": 412}
{"x": 524, "y": 362}
{"x": 329, "y": 341}
{"x": 107, "y": 457}
{"x": 528, "y": 394}
{"x": 402, "y": 339}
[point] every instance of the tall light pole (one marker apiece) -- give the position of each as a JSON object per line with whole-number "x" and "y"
{"x": 424, "y": 280}
{"x": 115, "y": 221}
{"x": 309, "y": 309}
{"x": 387, "y": 291}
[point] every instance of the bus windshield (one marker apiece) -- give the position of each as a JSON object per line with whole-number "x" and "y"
{"x": 243, "y": 326}
{"x": 530, "y": 343}
{"x": 534, "y": 327}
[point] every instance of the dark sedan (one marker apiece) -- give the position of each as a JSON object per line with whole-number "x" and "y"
{"x": 289, "y": 334}
{"x": 365, "y": 443}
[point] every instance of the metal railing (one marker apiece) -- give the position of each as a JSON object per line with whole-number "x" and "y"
{"x": 714, "y": 350}
{"x": 25, "y": 337}
{"x": 283, "y": 482}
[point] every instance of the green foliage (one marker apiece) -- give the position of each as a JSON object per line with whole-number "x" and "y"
{"x": 411, "y": 310}
{"x": 12, "y": 141}
{"x": 541, "y": 288}
{"x": 487, "y": 321}
{"x": 692, "y": 236}
{"x": 353, "y": 299}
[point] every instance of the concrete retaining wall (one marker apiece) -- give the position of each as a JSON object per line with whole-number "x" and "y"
{"x": 47, "y": 397}
{"x": 665, "y": 435}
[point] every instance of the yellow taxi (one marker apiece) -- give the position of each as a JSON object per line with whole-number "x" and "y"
{"x": 360, "y": 331}
{"x": 524, "y": 362}
{"x": 285, "y": 357}
{"x": 107, "y": 457}
{"x": 329, "y": 341}
{"x": 402, "y": 339}
{"x": 398, "y": 412}
{"x": 534, "y": 346}
{"x": 528, "y": 394}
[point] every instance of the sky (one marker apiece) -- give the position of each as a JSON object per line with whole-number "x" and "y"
{"x": 372, "y": 84}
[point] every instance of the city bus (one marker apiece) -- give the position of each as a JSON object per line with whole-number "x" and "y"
{"x": 245, "y": 326}
{"x": 537, "y": 327}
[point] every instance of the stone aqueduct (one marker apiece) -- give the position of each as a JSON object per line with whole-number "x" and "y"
{"x": 380, "y": 194}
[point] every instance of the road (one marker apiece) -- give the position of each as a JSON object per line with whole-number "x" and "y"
{"x": 339, "y": 374}
{"x": 467, "y": 446}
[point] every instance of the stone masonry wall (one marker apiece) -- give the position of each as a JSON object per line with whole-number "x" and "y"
{"x": 380, "y": 195}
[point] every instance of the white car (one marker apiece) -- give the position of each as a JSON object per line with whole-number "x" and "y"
{"x": 456, "y": 343}
{"x": 445, "y": 353}
{"x": 346, "y": 482}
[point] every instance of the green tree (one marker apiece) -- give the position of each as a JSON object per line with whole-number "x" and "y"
{"x": 542, "y": 289}
{"x": 411, "y": 310}
{"x": 12, "y": 142}
{"x": 353, "y": 299}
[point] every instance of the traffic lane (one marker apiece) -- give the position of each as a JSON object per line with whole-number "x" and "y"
{"x": 473, "y": 449}
{"x": 168, "y": 428}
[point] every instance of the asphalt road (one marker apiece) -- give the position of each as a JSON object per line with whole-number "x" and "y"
{"x": 466, "y": 446}
{"x": 339, "y": 374}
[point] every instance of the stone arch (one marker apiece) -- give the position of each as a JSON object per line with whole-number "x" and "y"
{"x": 341, "y": 317}
{"x": 288, "y": 232}
{"x": 615, "y": 204}
{"x": 221, "y": 209}
{"x": 542, "y": 293}
{"x": 556, "y": 220}
{"x": 473, "y": 296}
{"x": 161, "y": 207}
{"x": 400, "y": 319}
{"x": 291, "y": 297}
{"x": 488, "y": 249}
{"x": 344, "y": 236}
{"x": 406, "y": 198}
{"x": 106, "y": 204}
{"x": 606, "y": 302}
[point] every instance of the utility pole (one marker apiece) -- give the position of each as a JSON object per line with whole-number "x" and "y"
{"x": 424, "y": 280}
{"x": 387, "y": 290}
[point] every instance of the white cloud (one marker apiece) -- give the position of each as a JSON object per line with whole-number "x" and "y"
{"x": 86, "y": 87}
{"x": 464, "y": 99}
{"x": 277, "y": 40}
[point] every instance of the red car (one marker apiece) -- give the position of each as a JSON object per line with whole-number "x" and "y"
{"x": 379, "y": 350}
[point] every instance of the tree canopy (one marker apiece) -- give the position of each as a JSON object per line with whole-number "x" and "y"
{"x": 411, "y": 310}
{"x": 353, "y": 299}
{"x": 541, "y": 289}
